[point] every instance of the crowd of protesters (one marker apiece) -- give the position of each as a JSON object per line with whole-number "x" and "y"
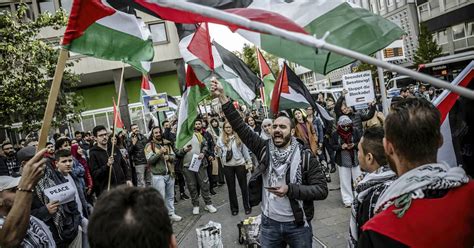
{"x": 387, "y": 169}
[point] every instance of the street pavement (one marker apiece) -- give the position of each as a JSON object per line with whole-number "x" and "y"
{"x": 330, "y": 224}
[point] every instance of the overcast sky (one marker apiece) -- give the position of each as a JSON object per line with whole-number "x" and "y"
{"x": 223, "y": 36}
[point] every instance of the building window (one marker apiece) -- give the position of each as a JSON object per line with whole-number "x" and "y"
{"x": 158, "y": 32}
{"x": 46, "y": 6}
{"x": 373, "y": 7}
{"x": 382, "y": 4}
{"x": 470, "y": 29}
{"x": 442, "y": 37}
{"x": 458, "y": 31}
{"x": 450, "y": 3}
{"x": 5, "y": 8}
{"x": 29, "y": 11}
{"x": 389, "y": 2}
{"x": 66, "y": 5}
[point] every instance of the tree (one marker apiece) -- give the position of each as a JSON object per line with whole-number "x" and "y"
{"x": 249, "y": 56}
{"x": 27, "y": 67}
{"x": 428, "y": 49}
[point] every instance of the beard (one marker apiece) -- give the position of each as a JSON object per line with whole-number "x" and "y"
{"x": 286, "y": 139}
{"x": 391, "y": 164}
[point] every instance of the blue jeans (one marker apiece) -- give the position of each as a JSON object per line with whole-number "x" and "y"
{"x": 280, "y": 234}
{"x": 165, "y": 185}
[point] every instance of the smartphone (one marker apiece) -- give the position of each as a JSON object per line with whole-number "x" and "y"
{"x": 271, "y": 187}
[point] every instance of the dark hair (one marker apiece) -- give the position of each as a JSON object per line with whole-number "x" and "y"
{"x": 200, "y": 120}
{"x": 77, "y": 132}
{"x": 48, "y": 143}
{"x": 247, "y": 119}
{"x": 373, "y": 143}
{"x": 413, "y": 127}
{"x": 285, "y": 115}
{"x": 294, "y": 116}
{"x": 130, "y": 217}
{"x": 61, "y": 153}
{"x": 404, "y": 89}
{"x": 134, "y": 124}
{"x": 60, "y": 142}
{"x": 163, "y": 122}
{"x": 6, "y": 143}
{"x": 97, "y": 129}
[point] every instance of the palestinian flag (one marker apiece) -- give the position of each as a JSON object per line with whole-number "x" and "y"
{"x": 267, "y": 77}
{"x": 147, "y": 92}
{"x": 195, "y": 92}
{"x": 210, "y": 60}
{"x": 172, "y": 103}
{"x": 118, "y": 124}
{"x": 445, "y": 102}
{"x": 290, "y": 93}
{"x": 99, "y": 30}
{"x": 348, "y": 26}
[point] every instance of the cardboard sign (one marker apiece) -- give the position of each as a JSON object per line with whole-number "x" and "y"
{"x": 63, "y": 193}
{"x": 360, "y": 88}
{"x": 195, "y": 163}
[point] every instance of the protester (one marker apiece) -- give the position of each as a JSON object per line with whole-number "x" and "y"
{"x": 253, "y": 124}
{"x": 209, "y": 156}
{"x": 215, "y": 131}
{"x": 64, "y": 164}
{"x": 376, "y": 178}
{"x": 305, "y": 131}
{"x": 431, "y": 94}
{"x": 160, "y": 156}
{"x": 9, "y": 165}
{"x": 235, "y": 157}
{"x": 17, "y": 227}
{"x": 49, "y": 150}
{"x": 131, "y": 217}
{"x": 78, "y": 154}
{"x": 78, "y": 170}
{"x": 345, "y": 141}
{"x": 101, "y": 160}
{"x": 430, "y": 204}
{"x": 266, "y": 133}
{"x": 136, "y": 145}
{"x": 287, "y": 180}
{"x": 331, "y": 127}
{"x": 357, "y": 117}
{"x": 197, "y": 146}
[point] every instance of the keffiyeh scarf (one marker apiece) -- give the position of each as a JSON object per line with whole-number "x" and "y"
{"x": 411, "y": 185}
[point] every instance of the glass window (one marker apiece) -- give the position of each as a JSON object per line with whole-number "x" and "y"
{"x": 5, "y": 8}
{"x": 458, "y": 31}
{"x": 434, "y": 4}
{"x": 442, "y": 37}
{"x": 373, "y": 7}
{"x": 46, "y": 6}
{"x": 470, "y": 29}
{"x": 381, "y": 4}
{"x": 450, "y": 3}
{"x": 158, "y": 32}
{"x": 66, "y": 5}
{"x": 389, "y": 2}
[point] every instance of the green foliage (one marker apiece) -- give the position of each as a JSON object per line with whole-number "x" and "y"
{"x": 427, "y": 47}
{"x": 249, "y": 56}
{"x": 27, "y": 66}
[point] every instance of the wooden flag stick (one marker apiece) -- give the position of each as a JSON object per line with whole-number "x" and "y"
{"x": 115, "y": 123}
{"x": 52, "y": 98}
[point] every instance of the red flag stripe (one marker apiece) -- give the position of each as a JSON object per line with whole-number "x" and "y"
{"x": 257, "y": 15}
{"x": 145, "y": 83}
{"x": 263, "y": 65}
{"x": 117, "y": 119}
{"x": 191, "y": 79}
{"x": 200, "y": 45}
{"x": 275, "y": 103}
{"x": 448, "y": 102}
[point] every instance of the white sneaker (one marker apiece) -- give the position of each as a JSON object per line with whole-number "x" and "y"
{"x": 210, "y": 208}
{"x": 195, "y": 210}
{"x": 176, "y": 218}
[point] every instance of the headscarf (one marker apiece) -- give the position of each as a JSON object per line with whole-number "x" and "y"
{"x": 346, "y": 135}
{"x": 76, "y": 155}
{"x": 263, "y": 134}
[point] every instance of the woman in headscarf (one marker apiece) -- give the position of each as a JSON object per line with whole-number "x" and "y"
{"x": 344, "y": 142}
{"x": 305, "y": 131}
{"x": 78, "y": 154}
{"x": 266, "y": 129}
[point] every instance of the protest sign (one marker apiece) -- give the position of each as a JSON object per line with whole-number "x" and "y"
{"x": 159, "y": 102}
{"x": 63, "y": 193}
{"x": 195, "y": 163}
{"x": 360, "y": 88}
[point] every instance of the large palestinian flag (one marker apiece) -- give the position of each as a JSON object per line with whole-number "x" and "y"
{"x": 212, "y": 60}
{"x": 97, "y": 29}
{"x": 347, "y": 26}
{"x": 195, "y": 92}
{"x": 290, "y": 93}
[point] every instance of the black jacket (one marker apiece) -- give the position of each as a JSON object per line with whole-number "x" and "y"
{"x": 100, "y": 171}
{"x": 357, "y": 117}
{"x": 137, "y": 151}
{"x": 314, "y": 185}
{"x": 336, "y": 143}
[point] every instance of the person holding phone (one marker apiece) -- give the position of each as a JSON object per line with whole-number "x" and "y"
{"x": 287, "y": 180}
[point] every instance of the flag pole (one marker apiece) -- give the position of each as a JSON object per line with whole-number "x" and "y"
{"x": 310, "y": 41}
{"x": 52, "y": 98}
{"x": 262, "y": 89}
{"x": 115, "y": 123}
{"x": 383, "y": 91}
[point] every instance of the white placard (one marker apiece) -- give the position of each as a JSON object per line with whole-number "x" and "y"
{"x": 63, "y": 193}
{"x": 195, "y": 163}
{"x": 360, "y": 88}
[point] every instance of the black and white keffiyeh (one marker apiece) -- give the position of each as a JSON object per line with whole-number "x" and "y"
{"x": 375, "y": 182}
{"x": 411, "y": 185}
